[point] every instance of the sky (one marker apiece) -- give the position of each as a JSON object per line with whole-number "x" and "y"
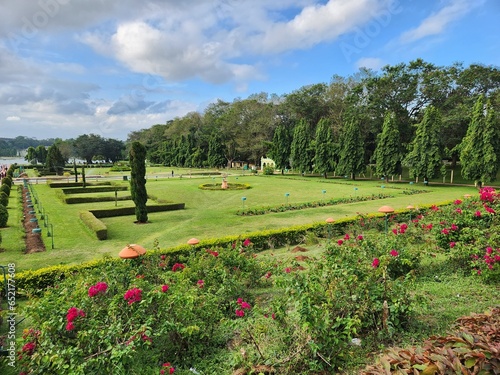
{"x": 110, "y": 67}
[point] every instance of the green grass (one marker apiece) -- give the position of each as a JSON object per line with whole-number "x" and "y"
{"x": 208, "y": 214}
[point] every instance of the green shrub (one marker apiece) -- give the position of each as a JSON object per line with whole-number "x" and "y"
{"x": 94, "y": 224}
{"x": 76, "y": 184}
{"x": 96, "y": 189}
{"x": 5, "y": 189}
{"x": 7, "y": 181}
{"x": 4, "y": 216}
{"x": 78, "y": 200}
{"x": 4, "y": 199}
{"x": 268, "y": 171}
{"x": 471, "y": 349}
{"x": 123, "y": 211}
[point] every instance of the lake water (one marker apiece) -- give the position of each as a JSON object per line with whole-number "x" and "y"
{"x": 18, "y": 160}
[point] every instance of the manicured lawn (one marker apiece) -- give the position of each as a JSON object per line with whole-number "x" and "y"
{"x": 208, "y": 214}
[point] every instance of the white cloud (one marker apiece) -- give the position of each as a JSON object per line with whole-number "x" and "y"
{"x": 373, "y": 63}
{"x": 437, "y": 22}
{"x": 13, "y": 118}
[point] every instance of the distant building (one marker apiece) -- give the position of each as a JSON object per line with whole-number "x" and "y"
{"x": 266, "y": 162}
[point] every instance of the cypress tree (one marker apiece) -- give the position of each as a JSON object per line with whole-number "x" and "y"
{"x": 324, "y": 150}
{"x": 387, "y": 155}
{"x": 301, "y": 148}
{"x": 280, "y": 148}
{"x": 477, "y": 151}
{"x": 351, "y": 150}
{"x": 137, "y": 157}
{"x": 425, "y": 156}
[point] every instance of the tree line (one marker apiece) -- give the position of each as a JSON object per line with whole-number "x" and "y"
{"x": 411, "y": 114}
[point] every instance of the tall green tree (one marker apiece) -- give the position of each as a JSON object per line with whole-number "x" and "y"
{"x": 426, "y": 149}
{"x": 301, "y": 154}
{"x": 477, "y": 152}
{"x": 31, "y": 155}
{"x": 387, "y": 155}
{"x": 137, "y": 157}
{"x": 55, "y": 161}
{"x": 41, "y": 154}
{"x": 324, "y": 148}
{"x": 280, "y": 148}
{"x": 216, "y": 158}
{"x": 351, "y": 150}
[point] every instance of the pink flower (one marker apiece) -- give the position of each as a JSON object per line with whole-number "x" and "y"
{"x": 29, "y": 347}
{"x": 347, "y": 237}
{"x": 477, "y": 213}
{"x": 454, "y": 227}
{"x": 458, "y": 210}
{"x": 99, "y": 288}
{"x": 375, "y": 262}
{"x": 394, "y": 253}
{"x": 201, "y": 283}
{"x": 139, "y": 276}
{"x": 434, "y": 208}
{"x": 489, "y": 209}
{"x": 70, "y": 326}
{"x": 178, "y": 266}
{"x": 245, "y": 305}
{"x": 247, "y": 242}
{"x": 288, "y": 270}
{"x": 445, "y": 231}
{"x": 240, "y": 313}
{"x": 74, "y": 313}
{"x": 404, "y": 226}
{"x": 163, "y": 257}
{"x": 268, "y": 275}
{"x": 133, "y": 295}
{"x": 168, "y": 367}
{"x": 273, "y": 315}
{"x": 164, "y": 288}
{"x": 214, "y": 253}
{"x": 452, "y": 244}
{"x": 458, "y": 201}
{"x": 340, "y": 242}
{"x": 489, "y": 250}
{"x": 395, "y": 231}
{"x": 360, "y": 238}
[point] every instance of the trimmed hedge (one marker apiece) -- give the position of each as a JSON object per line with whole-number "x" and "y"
{"x": 94, "y": 224}
{"x": 76, "y": 184}
{"x": 95, "y": 189}
{"x": 77, "y": 200}
{"x": 35, "y": 282}
{"x": 124, "y": 211}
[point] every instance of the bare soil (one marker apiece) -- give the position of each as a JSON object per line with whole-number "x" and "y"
{"x": 33, "y": 241}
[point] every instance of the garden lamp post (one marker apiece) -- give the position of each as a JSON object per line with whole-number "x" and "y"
{"x": 243, "y": 199}
{"x": 355, "y": 191}
{"x": 329, "y": 222}
{"x": 386, "y": 210}
{"x": 410, "y": 207}
{"x": 51, "y": 233}
{"x": 287, "y": 195}
{"x": 323, "y": 192}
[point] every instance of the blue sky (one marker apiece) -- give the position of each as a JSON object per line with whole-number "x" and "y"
{"x": 109, "y": 67}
